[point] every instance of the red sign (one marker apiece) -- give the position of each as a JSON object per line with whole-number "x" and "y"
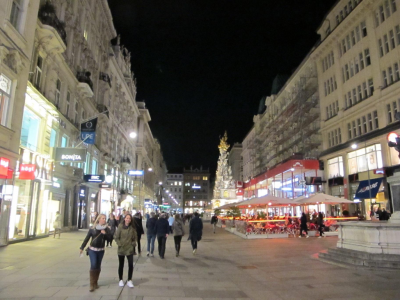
{"x": 239, "y": 184}
{"x": 27, "y": 171}
{"x": 239, "y": 192}
{"x": 9, "y": 175}
{"x": 4, "y": 164}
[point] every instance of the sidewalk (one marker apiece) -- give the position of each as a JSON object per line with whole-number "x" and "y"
{"x": 226, "y": 267}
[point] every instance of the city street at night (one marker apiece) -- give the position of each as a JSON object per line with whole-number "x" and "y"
{"x": 225, "y": 267}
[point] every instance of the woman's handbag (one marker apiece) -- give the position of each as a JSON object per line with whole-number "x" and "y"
{"x": 87, "y": 248}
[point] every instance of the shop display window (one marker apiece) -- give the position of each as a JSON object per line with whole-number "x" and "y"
{"x": 335, "y": 167}
{"x": 364, "y": 159}
{"x": 30, "y": 130}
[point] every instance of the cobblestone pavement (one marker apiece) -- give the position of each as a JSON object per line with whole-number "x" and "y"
{"x": 226, "y": 267}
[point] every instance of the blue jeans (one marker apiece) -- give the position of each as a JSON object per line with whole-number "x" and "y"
{"x": 95, "y": 259}
{"x": 151, "y": 238}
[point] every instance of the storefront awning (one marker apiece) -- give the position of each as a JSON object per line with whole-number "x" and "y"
{"x": 368, "y": 188}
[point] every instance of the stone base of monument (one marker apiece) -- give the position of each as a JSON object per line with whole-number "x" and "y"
{"x": 368, "y": 244}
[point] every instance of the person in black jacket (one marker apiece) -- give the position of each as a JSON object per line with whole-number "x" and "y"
{"x": 151, "y": 233}
{"x": 303, "y": 225}
{"x": 112, "y": 224}
{"x": 99, "y": 233}
{"x": 162, "y": 229}
{"x": 137, "y": 220}
{"x": 214, "y": 221}
{"x": 320, "y": 223}
{"x": 195, "y": 230}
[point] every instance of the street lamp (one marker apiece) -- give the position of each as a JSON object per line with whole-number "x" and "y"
{"x": 133, "y": 135}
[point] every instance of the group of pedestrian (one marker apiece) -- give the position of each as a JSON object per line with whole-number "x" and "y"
{"x": 127, "y": 233}
{"x": 319, "y": 221}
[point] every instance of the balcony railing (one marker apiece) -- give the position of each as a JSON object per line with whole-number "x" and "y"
{"x": 47, "y": 15}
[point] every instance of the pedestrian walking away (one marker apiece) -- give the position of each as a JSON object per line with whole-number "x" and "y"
{"x": 179, "y": 232}
{"x": 126, "y": 238}
{"x": 303, "y": 225}
{"x": 57, "y": 225}
{"x": 151, "y": 233}
{"x": 162, "y": 229}
{"x": 170, "y": 222}
{"x": 321, "y": 225}
{"x": 195, "y": 231}
{"x": 214, "y": 221}
{"x": 137, "y": 218}
{"x": 112, "y": 225}
{"x": 98, "y": 235}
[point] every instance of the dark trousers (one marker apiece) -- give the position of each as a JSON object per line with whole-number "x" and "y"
{"x": 161, "y": 245}
{"x": 95, "y": 259}
{"x": 170, "y": 229}
{"x": 321, "y": 230}
{"x": 177, "y": 240}
{"x": 110, "y": 240}
{"x": 121, "y": 259}
{"x": 193, "y": 240}
{"x": 303, "y": 228}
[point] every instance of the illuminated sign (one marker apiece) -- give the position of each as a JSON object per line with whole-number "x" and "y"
{"x": 27, "y": 171}
{"x": 135, "y": 172}
{"x": 93, "y": 178}
{"x": 70, "y": 154}
{"x": 196, "y": 187}
{"x": 4, "y": 164}
{"x": 105, "y": 186}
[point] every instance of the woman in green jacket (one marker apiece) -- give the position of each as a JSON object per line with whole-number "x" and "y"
{"x": 126, "y": 238}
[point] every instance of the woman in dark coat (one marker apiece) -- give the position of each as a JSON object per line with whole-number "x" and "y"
{"x": 303, "y": 225}
{"x": 195, "y": 230}
{"x": 112, "y": 224}
{"x": 99, "y": 233}
{"x": 320, "y": 223}
{"x": 137, "y": 220}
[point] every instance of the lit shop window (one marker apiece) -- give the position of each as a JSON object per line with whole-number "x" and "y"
{"x": 335, "y": 167}
{"x": 30, "y": 130}
{"x": 364, "y": 159}
{"x": 205, "y": 178}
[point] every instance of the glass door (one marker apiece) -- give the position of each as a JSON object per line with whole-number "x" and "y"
{"x": 33, "y": 208}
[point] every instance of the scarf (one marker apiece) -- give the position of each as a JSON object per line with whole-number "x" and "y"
{"x": 101, "y": 227}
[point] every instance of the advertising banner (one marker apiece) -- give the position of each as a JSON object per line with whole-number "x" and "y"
{"x": 27, "y": 171}
{"x": 76, "y": 155}
{"x": 94, "y": 178}
{"x": 88, "y": 131}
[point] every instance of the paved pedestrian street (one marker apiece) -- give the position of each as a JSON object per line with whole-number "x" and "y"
{"x": 226, "y": 267}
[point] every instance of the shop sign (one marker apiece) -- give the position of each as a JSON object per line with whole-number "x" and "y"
{"x": 368, "y": 188}
{"x": 196, "y": 186}
{"x": 82, "y": 192}
{"x": 94, "y": 178}
{"x": 27, "y": 171}
{"x": 105, "y": 186}
{"x": 135, "y": 172}
{"x": 70, "y": 154}
{"x": 4, "y": 164}
{"x": 239, "y": 192}
{"x": 88, "y": 131}
{"x": 379, "y": 171}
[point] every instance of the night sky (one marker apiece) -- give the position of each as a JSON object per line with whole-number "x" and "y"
{"x": 202, "y": 66}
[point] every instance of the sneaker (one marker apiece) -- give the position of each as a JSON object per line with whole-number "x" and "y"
{"x": 148, "y": 253}
{"x": 307, "y": 236}
{"x": 121, "y": 283}
{"x": 320, "y": 237}
{"x": 152, "y": 255}
{"x": 299, "y": 236}
{"x": 130, "y": 284}
{"x": 194, "y": 251}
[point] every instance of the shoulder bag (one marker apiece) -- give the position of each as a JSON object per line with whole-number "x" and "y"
{"x": 87, "y": 248}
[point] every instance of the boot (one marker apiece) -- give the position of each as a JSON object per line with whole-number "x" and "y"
{"x": 97, "y": 274}
{"x": 92, "y": 280}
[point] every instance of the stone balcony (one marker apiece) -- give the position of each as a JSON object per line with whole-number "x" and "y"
{"x": 51, "y": 31}
{"x": 85, "y": 84}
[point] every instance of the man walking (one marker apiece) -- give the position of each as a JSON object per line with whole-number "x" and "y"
{"x": 196, "y": 231}
{"x": 151, "y": 233}
{"x": 170, "y": 221}
{"x": 162, "y": 229}
{"x": 214, "y": 221}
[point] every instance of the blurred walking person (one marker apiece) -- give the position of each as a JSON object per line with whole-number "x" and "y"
{"x": 162, "y": 229}
{"x": 57, "y": 225}
{"x": 126, "y": 238}
{"x": 321, "y": 226}
{"x": 112, "y": 225}
{"x": 151, "y": 233}
{"x": 139, "y": 230}
{"x": 99, "y": 233}
{"x": 303, "y": 225}
{"x": 170, "y": 222}
{"x": 214, "y": 221}
{"x": 179, "y": 232}
{"x": 195, "y": 230}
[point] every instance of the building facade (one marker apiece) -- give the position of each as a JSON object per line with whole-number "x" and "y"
{"x": 175, "y": 190}
{"x": 73, "y": 75}
{"x": 248, "y": 155}
{"x": 196, "y": 190}
{"x": 359, "y": 51}
{"x": 235, "y": 161}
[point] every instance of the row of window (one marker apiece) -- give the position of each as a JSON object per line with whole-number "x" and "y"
{"x": 328, "y": 61}
{"x": 391, "y": 109}
{"x": 335, "y": 137}
{"x": 174, "y": 183}
{"x": 356, "y": 65}
{"x": 389, "y": 41}
{"x": 332, "y": 109}
{"x": 174, "y": 176}
{"x": 353, "y": 38}
{"x": 346, "y": 10}
{"x": 188, "y": 177}
{"x": 358, "y": 94}
{"x": 196, "y": 203}
{"x": 384, "y": 11}
{"x": 196, "y": 191}
{"x": 330, "y": 85}
{"x": 391, "y": 75}
{"x": 189, "y": 184}
{"x": 363, "y": 125}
